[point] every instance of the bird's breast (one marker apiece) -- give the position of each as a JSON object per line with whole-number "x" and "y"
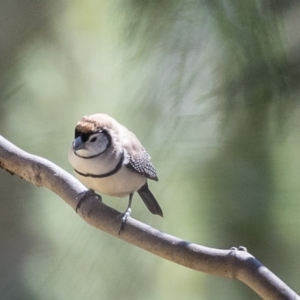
{"x": 121, "y": 184}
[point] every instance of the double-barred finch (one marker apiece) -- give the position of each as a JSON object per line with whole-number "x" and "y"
{"x": 109, "y": 158}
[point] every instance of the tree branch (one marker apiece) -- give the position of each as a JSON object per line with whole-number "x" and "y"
{"x": 234, "y": 263}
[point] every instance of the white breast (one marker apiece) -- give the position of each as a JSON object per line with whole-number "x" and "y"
{"x": 120, "y": 184}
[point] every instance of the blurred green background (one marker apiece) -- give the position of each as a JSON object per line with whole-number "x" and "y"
{"x": 211, "y": 89}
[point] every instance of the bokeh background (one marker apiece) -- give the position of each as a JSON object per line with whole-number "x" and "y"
{"x": 211, "y": 88}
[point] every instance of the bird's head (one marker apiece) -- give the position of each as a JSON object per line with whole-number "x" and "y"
{"x": 92, "y": 137}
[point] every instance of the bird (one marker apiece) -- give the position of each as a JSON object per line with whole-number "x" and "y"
{"x": 108, "y": 158}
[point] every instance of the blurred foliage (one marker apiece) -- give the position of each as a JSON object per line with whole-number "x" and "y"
{"x": 209, "y": 87}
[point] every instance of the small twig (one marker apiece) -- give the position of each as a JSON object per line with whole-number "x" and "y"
{"x": 234, "y": 263}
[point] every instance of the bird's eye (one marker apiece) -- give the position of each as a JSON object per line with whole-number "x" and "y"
{"x": 93, "y": 139}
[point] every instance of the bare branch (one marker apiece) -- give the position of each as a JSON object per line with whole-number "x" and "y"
{"x": 234, "y": 263}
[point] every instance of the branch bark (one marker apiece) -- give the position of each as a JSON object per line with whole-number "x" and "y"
{"x": 235, "y": 263}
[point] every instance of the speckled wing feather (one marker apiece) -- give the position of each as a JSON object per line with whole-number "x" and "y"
{"x": 141, "y": 164}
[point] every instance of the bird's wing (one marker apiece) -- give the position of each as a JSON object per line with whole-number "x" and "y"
{"x": 141, "y": 163}
{"x": 136, "y": 157}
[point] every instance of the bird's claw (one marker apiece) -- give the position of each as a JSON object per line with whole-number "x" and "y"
{"x": 82, "y": 196}
{"x": 124, "y": 217}
{"x": 240, "y": 248}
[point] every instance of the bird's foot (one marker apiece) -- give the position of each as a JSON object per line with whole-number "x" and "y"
{"x": 124, "y": 217}
{"x": 82, "y": 196}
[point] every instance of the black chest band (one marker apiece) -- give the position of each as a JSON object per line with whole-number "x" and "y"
{"x": 112, "y": 172}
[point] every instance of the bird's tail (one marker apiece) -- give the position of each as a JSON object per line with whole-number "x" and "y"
{"x": 149, "y": 200}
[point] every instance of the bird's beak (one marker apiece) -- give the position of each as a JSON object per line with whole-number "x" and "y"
{"x": 78, "y": 144}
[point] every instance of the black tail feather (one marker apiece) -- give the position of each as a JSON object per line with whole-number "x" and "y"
{"x": 149, "y": 200}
